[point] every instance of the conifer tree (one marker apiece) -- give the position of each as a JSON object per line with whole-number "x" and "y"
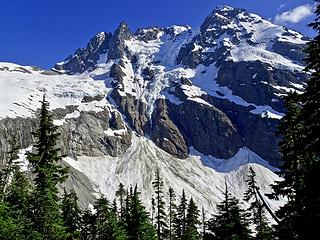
{"x": 15, "y": 198}
{"x": 160, "y": 206}
{"x": 300, "y": 153}
{"x": 230, "y": 222}
{"x": 107, "y": 226}
{"x": 308, "y": 196}
{"x": 256, "y": 209}
{"x": 121, "y": 193}
{"x": 115, "y": 208}
{"x": 204, "y": 223}
{"x": 172, "y": 213}
{"x": 127, "y": 212}
{"x": 139, "y": 225}
{"x": 71, "y": 214}
{"x": 88, "y": 225}
{"x": 181, "y": 216}
{"x": 153, "y": 209}
{"x": 192, "y": 222}
{"x": 47, "y": 219}
{"x": 18, "y": 199}
{"x": 8, "y": 224}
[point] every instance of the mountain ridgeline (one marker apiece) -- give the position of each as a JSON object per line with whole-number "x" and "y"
{"x": 216, "y": 90}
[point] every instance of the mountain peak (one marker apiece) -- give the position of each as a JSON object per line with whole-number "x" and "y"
{"x": 224, "y": 8}
{"x": 222, "y": 16}
{"x": 123, "y": 31}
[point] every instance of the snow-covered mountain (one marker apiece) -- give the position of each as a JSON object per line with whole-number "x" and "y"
{"x": 201, "y": 105}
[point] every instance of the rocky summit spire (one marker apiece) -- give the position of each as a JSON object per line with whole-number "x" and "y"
{"x": 123, "y": 31}
{"x": 117, "y": 43}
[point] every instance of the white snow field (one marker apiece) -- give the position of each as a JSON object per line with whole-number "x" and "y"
{"x": 202, "y": 177}
{"x": 22, "y": 87}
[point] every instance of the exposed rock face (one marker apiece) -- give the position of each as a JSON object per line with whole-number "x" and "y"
{"x": 148, "y": 34}
{"x": 256, "y": 82}
{"x": 85, "y": 135}
{"x": 245, "y": 80}
{"x": 166, "y": 134}
{"x": 116, "y": 45}
{"x": 207, "y": 129}
{"x": 78, "y": 182}
{"x": 257, "y": 134}
{"x": 20, "y": 128}
{"x": 134, "y": 110}
{"x": 85, "y": 58}
{"x": 91, "y": 134}
{"x": 290, "y": 50}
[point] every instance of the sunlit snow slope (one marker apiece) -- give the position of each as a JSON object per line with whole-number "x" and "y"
{"x": 204, "y": 184}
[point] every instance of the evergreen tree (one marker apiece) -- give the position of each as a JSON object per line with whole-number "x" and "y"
{"x": 181, "y": 216}
{"x": 300, "y": 153}
{"x": 291, "y": 150}
{"x": 121, "y": 193}
{"x": 172, "y": 213}
{"x": 107, "y": 226}
{"x": 139, "y": 225}
{"x": 308, "y": 195}
{"x": 9, "y": 227}
{"x": 153, "y": 209}
{"x": 47, "y": 219}
{"x": 204, "y": 223}
{"x": 88, "y": 225}
{"x": 192, "y": 222}
{"x": 127, "y": 213}
{"x": 230, "y": 222}
{"x": 256, "y": 209}
{"x": 160, "y": 206}
{"x": 16, "y": 191}
{"x": 71, "y": 214}
{"x": 115, "y": 208}
{"x": 18, "y": 199}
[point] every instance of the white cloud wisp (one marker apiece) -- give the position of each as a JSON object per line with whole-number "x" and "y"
{"x": 295, "y": 15}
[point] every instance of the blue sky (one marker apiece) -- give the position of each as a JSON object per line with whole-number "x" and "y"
{"x": 42, "y": 32}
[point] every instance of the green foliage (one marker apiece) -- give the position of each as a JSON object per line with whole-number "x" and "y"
{"x": 181, "y": 220}
{"x": 87, "y": 226}
{"x": 172, "y": 214}
{"x": 192, "y": 222}
{"x": 230, "y": 222}
{"x": 71, "y": 214}
{"x": 46, "y": 215}
{"x": 160, "y": 207}
{"x": 137, "y": 222}
{"x": 15, "y": 197}
{"x": 106, "y": 224}
{"x": 9, "y": 226}
{"x": 256, "y": 209}
{"x": 121, "y": 193}
{"x": 300, "y": 153}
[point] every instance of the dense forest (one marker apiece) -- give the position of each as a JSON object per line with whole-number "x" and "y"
{"x": 32, "y": 206}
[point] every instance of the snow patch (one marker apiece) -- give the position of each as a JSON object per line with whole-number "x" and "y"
{"x": 21, "y": 92}
{"x": 205, "y": 184}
